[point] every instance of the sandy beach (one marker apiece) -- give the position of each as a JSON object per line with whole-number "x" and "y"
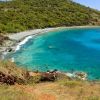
{"x": 21, "y": 35}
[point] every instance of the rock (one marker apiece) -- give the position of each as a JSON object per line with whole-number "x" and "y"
{"x": 7, "y": 79}
{"x": 3, "y": 38}
{"x": 10, "y": 79}
{"x": 69, "y": 74}
{"x": 52, "y": 71}
{"x": 81, "y": 75}
{"x": 34, "y": 74}
{"x": 9, "y": 49}
{"x": 49, "y": 76}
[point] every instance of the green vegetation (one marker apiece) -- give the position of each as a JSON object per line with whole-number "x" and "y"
{"x": 20, "y": 15}
{"x": 33, "y": 80}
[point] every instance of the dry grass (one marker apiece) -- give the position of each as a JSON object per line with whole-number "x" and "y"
{"x": 12, "y": 93}
{"x": 62, "y": 89}
{"x": 51, "y": 91}
{"x": 10, "y": 68}
{"x": 80, "y": 91}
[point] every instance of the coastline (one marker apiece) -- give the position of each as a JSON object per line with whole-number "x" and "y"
{"x": 21, "y": 38}
{"x": 21, "y": 35}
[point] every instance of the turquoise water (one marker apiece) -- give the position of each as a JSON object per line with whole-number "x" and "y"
{"x": 65, "y": 50}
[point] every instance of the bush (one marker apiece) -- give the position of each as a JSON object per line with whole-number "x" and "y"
{"x": 19, "y": 15}
{"x": 33, "y": 79}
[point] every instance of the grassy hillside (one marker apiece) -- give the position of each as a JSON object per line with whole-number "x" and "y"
{"x": 12, "y": 69}
{"x": 33, "y": 89}
{"x": 61, "y": 90}
{"x": 50, "y": 91}
{"x": 20, "y": 15}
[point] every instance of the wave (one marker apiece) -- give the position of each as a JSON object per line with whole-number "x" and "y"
{"x": 12, "y": 60}
{"x": 22, "y": 43}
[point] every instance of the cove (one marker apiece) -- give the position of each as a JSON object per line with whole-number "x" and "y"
{"x": 65, "y": 50}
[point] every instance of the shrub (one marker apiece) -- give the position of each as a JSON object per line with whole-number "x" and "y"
{"x": 33, "y": 79}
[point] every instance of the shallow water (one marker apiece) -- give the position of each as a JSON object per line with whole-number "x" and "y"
{"x": 65, "y": 50}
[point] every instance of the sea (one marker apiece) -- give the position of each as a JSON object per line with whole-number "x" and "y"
{"x": 67, "y": 50}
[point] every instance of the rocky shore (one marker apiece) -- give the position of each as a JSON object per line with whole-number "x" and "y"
{"x": 28, "y": 76}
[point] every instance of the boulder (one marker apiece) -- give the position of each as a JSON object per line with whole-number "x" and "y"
{"x": 8, "y": 79}
{"x": 81, "y": 75}
{"x": 49, "y": 76}
{"x": 2, "y": 38}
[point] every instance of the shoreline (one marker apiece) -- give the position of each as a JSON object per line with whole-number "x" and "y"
{"x": 21, "y": 35}
{"x": 21, "y": 38}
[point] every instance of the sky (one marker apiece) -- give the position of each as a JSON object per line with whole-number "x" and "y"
{"x": 4, "y": 0}
{"x": 90, "y": 3}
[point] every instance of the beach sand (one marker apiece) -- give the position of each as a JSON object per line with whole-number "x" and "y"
{"x": 21, "y": 35}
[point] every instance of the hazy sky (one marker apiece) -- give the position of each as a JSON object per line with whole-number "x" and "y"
{"x": 91, "y": 3}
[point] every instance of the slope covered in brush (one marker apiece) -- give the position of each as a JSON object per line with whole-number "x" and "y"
{"x": 20, "y": 15}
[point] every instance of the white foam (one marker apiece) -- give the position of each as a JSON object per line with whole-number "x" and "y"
{"x": 12, "y": 60}
{"x": 22, "y": 43}
{"x": 3, "y": 55}
{"x": 70, "y": 74}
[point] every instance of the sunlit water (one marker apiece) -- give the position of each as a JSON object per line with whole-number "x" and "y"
{"x": 65, "y": 50}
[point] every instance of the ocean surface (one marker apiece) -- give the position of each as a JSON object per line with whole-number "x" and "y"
{"x": 64, "y": 50}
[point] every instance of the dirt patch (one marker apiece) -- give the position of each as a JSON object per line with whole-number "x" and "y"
{"x": 47, "y": 97}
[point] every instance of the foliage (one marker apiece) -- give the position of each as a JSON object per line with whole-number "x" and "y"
{"x": 20, "y": 15}
{"x": 33, "y": 79}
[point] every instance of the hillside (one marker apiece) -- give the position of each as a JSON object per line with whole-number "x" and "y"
{"x": 51, "y": 91}
{"x": 18, "y": 84}
{"x": 20, "y": 15}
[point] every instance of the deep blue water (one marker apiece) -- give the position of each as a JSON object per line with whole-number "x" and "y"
{"x": 65, "y": 50}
